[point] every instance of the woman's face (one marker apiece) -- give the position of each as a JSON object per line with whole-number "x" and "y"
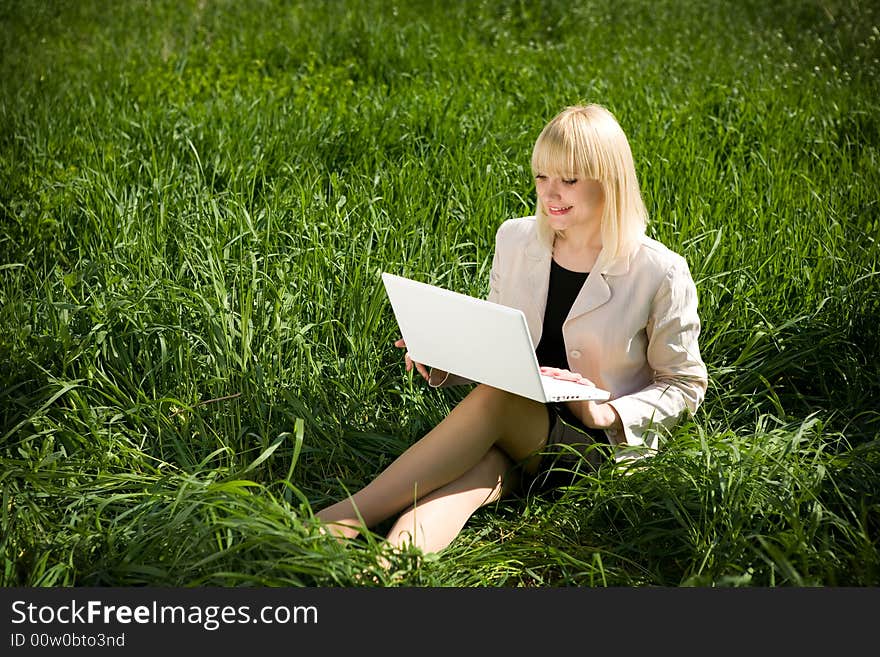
{"x": 570, "y": 201}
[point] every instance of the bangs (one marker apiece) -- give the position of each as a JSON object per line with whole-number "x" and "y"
{"x": 570, "y": 146}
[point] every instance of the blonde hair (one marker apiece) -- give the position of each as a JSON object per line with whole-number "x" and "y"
{"x": 587, "y": 141}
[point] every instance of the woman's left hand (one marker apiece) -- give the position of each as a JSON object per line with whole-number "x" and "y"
{"x": 593, "y": 415}
{"x": 566, "y": 375}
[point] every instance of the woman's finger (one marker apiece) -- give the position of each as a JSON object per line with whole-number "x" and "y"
{"x": 558, "y": 373}
{"x": 566, "y": 375}
{"x": 410, "y": 363}
{"x": 423, "y": 371}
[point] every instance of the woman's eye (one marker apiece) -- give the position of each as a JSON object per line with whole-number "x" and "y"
{"x": 569, "y": 181}
{"x": 540, "y": 176}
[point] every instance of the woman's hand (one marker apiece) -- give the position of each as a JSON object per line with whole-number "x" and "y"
{"x": 597, "y": 416}
{"x": 410, "y": 363}
{"x": 566, "y": 375}
{"x": 593, "y": 415}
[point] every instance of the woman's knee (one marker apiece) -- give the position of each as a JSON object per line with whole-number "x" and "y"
{"x": 486, "y": 475}
{"x": 491, "y": 468}
{"x": 494, "y": 472}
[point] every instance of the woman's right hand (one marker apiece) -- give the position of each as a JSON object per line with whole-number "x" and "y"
{"x": 410, "y": 363}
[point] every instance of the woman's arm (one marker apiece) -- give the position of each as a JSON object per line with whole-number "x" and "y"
{"x": 595, "y": 415}
{"x": 679, "y": 375}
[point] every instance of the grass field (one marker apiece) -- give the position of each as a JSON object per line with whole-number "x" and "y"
{"x": 196, "y": 200}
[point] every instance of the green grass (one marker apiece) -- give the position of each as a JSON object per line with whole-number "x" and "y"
{"x": 196, "y": 200}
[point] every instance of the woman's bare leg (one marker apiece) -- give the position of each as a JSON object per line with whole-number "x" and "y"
{"x": 437, "y": 518}
{"x": 487, "y": 416}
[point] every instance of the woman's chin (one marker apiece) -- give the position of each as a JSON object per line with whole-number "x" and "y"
{"x": 557, "y": 223}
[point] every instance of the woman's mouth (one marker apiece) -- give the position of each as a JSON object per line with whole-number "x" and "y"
{"x": 557, "y": 210}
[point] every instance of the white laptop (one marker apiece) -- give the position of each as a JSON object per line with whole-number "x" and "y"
{"x": 477, "y": 339}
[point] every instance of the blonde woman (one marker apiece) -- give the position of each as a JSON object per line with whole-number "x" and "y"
{"x": 603, "y": 302}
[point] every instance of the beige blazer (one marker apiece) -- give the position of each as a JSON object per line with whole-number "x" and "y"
{"x": 632, "y": 330}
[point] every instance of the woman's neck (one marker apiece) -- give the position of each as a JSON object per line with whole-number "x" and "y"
{"x": 576, "y": 256}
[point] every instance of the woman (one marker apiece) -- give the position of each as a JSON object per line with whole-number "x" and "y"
{"x": 605, "y": 304}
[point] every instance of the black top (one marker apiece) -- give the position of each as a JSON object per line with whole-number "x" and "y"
{"x": 564, "y": 288}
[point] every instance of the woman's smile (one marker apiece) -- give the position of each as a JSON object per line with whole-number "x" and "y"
{"x": 570, "y": 200}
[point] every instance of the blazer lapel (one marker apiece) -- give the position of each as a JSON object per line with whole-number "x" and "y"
{"x": 596, "y": 291}
{"x": 538, "y": 285}
{"x": 593, "y": 294}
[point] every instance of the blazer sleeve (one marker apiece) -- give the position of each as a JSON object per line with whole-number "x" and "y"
{"x": 679, "y": 375}
{"x": 495, "y": 273}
